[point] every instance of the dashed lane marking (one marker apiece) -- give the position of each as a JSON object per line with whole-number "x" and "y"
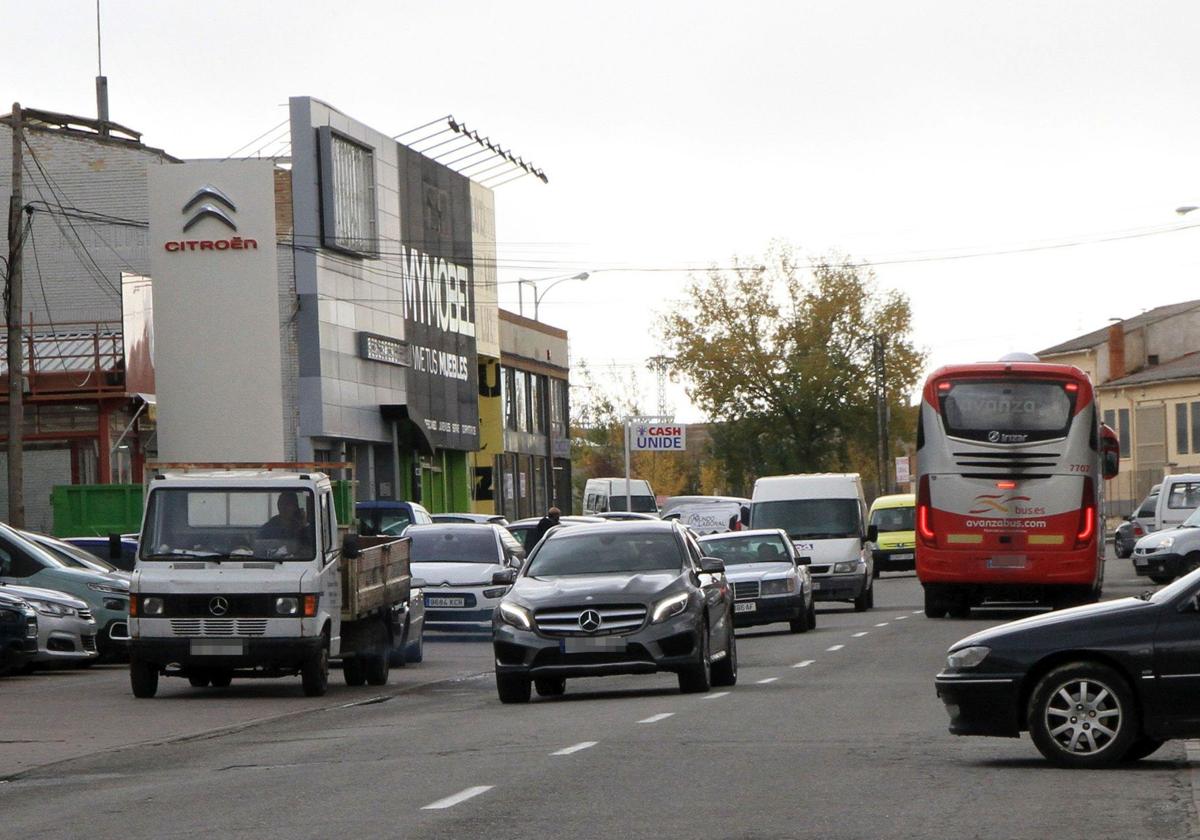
{"x": 656, "y": 718}
{"x": 860, "y": 635}
{"x": 882, "y": 624}
{"x": 574, "y": 748}
{"x": 917, "y": 612}
{"x": 804, "y": 664}
{"x": 714, "y": 695}
{"x": 767, "y": 680}
{"x": 834, "y": 647}
{"x": 461, "y": 796}
{"x": 901, "y": 617}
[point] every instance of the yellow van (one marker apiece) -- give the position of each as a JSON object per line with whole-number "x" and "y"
{"x": 895, "y": 545}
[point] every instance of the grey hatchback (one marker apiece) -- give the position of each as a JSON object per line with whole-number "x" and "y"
{"x": 614, "y": 598}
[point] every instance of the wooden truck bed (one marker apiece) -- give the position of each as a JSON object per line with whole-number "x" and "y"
{"x": 377, "y": 578}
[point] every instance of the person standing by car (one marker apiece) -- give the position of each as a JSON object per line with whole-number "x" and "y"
{"x": 545, "y": 524}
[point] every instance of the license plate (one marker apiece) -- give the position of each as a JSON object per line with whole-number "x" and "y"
{"x": 445, "y": 602}
{"x": 587, "y": 644}
{"x": 907, "y": 556}
{"x": 744, "y": 606}
{"x": 217, "y": 647}
{"x": 817, "y": 585}
{"x": 1141, "y": 561}
{"x": 1009, "y": 561}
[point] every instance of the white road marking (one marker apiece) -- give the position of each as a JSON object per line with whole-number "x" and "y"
{"x": 882, "y": 624}
{"x": 901, "y": 617}
{"x": 574, "y": 748}
{"x": 917, "y": 612}
{"x": 834, "y": 647}
{"x": 656, "y": 718}
{"x": 767, "y": 680}
{"x": 860, "y": 635}
{"x": 804, "y": 664}
{"x": 714, "y": 695}
{"x": 461, "y": 796}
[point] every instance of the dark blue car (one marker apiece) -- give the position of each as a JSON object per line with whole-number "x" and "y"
{"x": 18, "y": 632}
{"x": 121, "y": 550}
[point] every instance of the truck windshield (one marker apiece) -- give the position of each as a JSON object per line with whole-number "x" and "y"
{"x": 809, "y": 519}
{"x": 214, "y": 523}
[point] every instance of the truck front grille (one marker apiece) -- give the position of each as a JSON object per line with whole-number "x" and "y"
{"x": 218, "y": 626}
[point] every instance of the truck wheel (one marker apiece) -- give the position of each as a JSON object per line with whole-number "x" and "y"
{"x": 863, "y": 602}
{"x": 812, "y": 616}
{"x": 314, "y": 674}
{"x": 221, "y": 678}
{"x": 513, "y": 688}
{"x": 377, "y": 666}
{"x": 353, "y": 671}
{"x": 143, "y": 678}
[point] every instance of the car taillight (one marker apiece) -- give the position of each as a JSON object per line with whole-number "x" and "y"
{"x": 1087, "y": 515}
{"x": 1138, "y": 530}
{"x": 924, "y": 511}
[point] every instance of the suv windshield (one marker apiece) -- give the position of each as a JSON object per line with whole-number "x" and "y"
{"x": 213, "y": 523}
{"x": 812, "y": 519}
{"x": 580, "y": 553}
{"x": 736, "y": 551}
{"x": 472, "y": 544}
{"x": 892, "y": 519}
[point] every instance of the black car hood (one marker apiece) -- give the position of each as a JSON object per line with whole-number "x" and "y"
{"x": 1054, "y": 624}
{"x": 537, "y": 591}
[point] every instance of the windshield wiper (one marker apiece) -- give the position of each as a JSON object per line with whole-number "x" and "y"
{"x": 184, "y": 554}
{"x": 1145, "y": 596}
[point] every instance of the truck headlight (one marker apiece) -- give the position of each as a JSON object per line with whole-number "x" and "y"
{"x": 287, "y": 605}
{"x": 967, "y": 657}
{"x": 669, "y": 607}
{"x": 153, "y": 606}
{"x": 847, "y": 568}
{"x": 516, "y": 615}
{"x": 782, "y": 586}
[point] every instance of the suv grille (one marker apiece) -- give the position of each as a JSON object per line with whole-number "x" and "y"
{"x": 745, "y": 590}
{"x": 89, "y": 643}
{"x": 818, "y": 570}
{"x": 614, "y": 618}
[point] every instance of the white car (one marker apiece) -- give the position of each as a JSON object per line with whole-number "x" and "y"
{"x": 456, "y": 564}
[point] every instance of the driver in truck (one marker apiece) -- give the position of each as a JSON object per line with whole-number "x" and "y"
{"x": 288, "y": 524}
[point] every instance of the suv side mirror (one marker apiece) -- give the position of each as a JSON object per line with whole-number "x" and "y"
{"x": 712, "y": 565}
{"x": 350, "y": 548}
{"x": 872, "y": 533}
{"x": 504, "y": 578}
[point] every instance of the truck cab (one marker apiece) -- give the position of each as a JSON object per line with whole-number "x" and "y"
{"x": 243, "y": 573}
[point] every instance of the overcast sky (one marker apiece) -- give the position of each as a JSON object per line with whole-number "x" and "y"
{"x": 680, "y": 134}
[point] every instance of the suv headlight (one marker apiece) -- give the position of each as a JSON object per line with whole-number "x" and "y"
{"x": 516, "y": 615}
{"x": 781, "y": 586}
{"x": 967, "y": 657}
{"x": 669, "y": 607}
{"x": 846, "y": 568}
{"x": 1166, "y": 542}
{"x": 48, "y": 608}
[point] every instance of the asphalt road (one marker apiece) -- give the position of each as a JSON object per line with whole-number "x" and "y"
{"x": 835, "y": 733}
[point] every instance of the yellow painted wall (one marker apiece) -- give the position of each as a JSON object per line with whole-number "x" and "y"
{"x": 491, "y": 437}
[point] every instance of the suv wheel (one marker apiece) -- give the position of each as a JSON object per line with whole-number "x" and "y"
{"x": 1082, "y": 715}
{"x": 724, "y": 672}
{"x": 513, "y": 688}
{"x": 698, "y": 678}
{"x": 551, "y": 686}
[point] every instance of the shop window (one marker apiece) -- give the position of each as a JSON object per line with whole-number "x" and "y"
{"x": 1181, "y": 428}
{"x": 348, "y": 194}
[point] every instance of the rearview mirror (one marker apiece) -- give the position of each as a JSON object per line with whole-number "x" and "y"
{"x": 504, "y": 578}
{"x": 350, "y": 548}
{"x": 1110, "y": 452}
{"x": 712, "y": 565}
{"x": 803, "y": 561}
{"x": 872, "y": 533}
{"x": 114, "y": 546}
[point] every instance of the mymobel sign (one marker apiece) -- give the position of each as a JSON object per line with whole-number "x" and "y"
{"x": 657, "y": 437}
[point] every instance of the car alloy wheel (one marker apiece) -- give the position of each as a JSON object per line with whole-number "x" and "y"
{"x": 1082, "y": 715}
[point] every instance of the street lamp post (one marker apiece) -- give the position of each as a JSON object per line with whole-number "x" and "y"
{"x": 537, "y": 298}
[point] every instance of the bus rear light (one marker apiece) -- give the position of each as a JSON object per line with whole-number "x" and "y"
{"x": 924, "y": 513}
{"x": 1087, "y": 515}
{"x": 1071, "y": 387}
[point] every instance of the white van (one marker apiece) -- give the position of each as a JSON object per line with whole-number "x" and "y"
{"x": 1179, "y": 496}
{"x": 601, "y": 495}
{"x": 825, "y": 514}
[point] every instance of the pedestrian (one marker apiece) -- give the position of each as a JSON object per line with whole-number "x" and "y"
{"x": 545, "y": 524}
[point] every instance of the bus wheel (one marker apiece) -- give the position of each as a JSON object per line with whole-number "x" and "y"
{"x": 960, "y": 607}
{"x": 935, "y": 605}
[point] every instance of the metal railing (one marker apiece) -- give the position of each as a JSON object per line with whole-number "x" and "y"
{"x": 70, "y": 358}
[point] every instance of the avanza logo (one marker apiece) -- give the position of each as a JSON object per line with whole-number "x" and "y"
{"x": 1006, "y": 504}
{"x": 208, "y": 202}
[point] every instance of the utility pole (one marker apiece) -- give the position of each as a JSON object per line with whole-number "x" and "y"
{"x": 881, "y": 419}
{"x": 12, "y": 311}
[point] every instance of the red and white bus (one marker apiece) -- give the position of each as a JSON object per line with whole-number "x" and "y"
{"x": 1011, "y": 462}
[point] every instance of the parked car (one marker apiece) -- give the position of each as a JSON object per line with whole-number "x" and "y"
{"x": 1178, "y": 496}
{"x": 66, "y": 628}
{"x": 464, "y": 518}
{"x": 24, "y": 562}
{"x": 75, "y": 556}
{"x": 120, "y": 552}
{"x": 896, "y": 541}
{"x": 457, "y": 562}
{"x": 769, "y": 583}
{"x": 389, "y": 517}
{"x": 1165, "y": 555}
{"x": 825, "y": 515}
{"x": 1093, "y": 686}
{"x": 18, "y": 633}
{"x": 1136, "y": 525}
{"x": 617, "y": 598}
{"x": 625, "y": 516}
{"x": 523, "y": 529}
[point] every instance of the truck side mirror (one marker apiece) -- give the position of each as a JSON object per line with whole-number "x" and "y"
{"x": 350, "y": 548}
{"x": 114, "y": 546}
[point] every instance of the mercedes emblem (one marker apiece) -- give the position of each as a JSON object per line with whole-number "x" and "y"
{"x": 589, "y": 621}
{"x": 218, "y": 606}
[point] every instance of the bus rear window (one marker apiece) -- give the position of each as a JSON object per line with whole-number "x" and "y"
{"x": 1007, "y": 411}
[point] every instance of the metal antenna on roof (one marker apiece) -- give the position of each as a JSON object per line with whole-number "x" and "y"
{"x": 101, "y": 81}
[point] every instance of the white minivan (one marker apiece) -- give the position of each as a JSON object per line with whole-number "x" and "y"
{"x": 601, "y": 495}
{"x": 825, "y": 515}
{"x": 1178, "y": 497}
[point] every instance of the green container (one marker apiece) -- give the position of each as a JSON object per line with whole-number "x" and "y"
{"x": 343, "y": 501}
{"x": 96, "y": 510}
